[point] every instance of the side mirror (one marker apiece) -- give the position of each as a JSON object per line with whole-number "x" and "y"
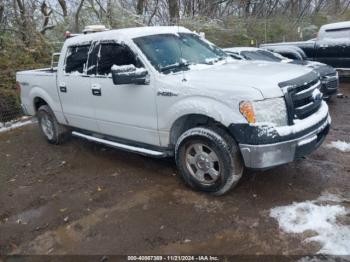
{"x": 129, "y": 74}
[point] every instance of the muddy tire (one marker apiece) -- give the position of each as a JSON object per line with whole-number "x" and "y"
{"x": 51, "y": 129}
{"x": 209, "y": 160}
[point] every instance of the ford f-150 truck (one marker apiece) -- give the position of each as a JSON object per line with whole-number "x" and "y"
{"x": 165, "y": 91}
{"x": 332, "y": 46}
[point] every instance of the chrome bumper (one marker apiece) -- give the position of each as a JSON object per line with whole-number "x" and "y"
{"x": 343, "y": 72}
{"x": 267, "y": 156}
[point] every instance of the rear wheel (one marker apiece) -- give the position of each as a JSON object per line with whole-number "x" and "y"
{"x": 209, "y": 160}
{"x": 51, "y": 129}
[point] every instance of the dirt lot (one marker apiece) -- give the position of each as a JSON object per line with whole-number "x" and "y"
{"x": 84, "y": 198}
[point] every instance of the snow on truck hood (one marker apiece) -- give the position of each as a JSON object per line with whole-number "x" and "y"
{"x": 261, "y": 76}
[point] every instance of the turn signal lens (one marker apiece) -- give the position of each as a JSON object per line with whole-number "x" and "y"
{"x": 247, "y": 110}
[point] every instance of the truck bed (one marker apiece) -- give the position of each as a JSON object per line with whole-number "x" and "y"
{"x": 40, "y": 71}
{"x": 39, "y": 79}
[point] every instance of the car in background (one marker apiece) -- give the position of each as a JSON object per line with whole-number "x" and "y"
{"x": 328, "y": 75}
{"x": 332, "y": 46}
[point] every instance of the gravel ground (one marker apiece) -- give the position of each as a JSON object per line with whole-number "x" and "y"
{"x": 84, "y": 198}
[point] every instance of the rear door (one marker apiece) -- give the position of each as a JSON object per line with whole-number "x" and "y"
{"x": 74, "y": 87}
{"x": 122, "y": 111}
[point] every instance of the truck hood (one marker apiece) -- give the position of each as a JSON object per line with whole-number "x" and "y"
{"x": 236, "y": 75}
{"x": 320, "y": 68}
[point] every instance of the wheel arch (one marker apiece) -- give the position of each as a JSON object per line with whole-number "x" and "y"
{"x": 195, "y": 111}
{"x": 188, "y": 121}
{"x": 40, "y": 97}
{"x": 38, "y": 102}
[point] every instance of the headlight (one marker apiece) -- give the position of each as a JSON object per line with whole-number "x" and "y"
{"x": 269, "y": 111}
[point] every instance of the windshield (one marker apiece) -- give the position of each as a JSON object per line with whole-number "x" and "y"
{"x": 170, "y": 52}
{"x": 261, "y": 55}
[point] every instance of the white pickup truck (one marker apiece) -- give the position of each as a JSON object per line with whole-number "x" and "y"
{"x": 165, "y": 91}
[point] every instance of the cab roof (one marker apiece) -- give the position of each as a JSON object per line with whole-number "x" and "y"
{"x": 335, "y": 26}
{"x": 127, "y": 33}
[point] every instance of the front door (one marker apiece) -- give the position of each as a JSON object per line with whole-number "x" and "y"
{"x": 123, "y": 111}
{"x": 74, "y": 87}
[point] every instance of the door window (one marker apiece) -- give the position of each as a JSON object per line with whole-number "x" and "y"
{"x": 110, "y": 54}
{"x": 76, "y": 59}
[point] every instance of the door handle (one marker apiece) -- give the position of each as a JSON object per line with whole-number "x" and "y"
{"x": 96, "y": 90}
{"x": 63, "y": 87}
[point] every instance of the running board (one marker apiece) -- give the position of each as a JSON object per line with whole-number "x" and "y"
{"x": 135, "y": 149}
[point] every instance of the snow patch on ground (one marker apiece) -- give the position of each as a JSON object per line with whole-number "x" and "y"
{"x": 340, "y": 145}
{"x": 8, "y": 126}
{"x": 320, "y": 216}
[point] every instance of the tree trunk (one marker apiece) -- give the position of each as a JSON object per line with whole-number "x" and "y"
{"x": 188, "y": 8}
{"x": 2, "y": 10}
{"x": 23, "y": 21}
{"x": 173, "y": 11}
{"x": 140, "y": 6}
{"x": 46, "y": 13}
{"x": 153, "y": 13}
{"x": 336, "y": 7}
{"x": 294, "y": 7}
{"x": 76, "y": 18}
{"x": 246, "y": 7}
{"x": 63, "y": 5}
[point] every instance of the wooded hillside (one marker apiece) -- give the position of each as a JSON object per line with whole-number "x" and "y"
{"x": 31, "y": 29}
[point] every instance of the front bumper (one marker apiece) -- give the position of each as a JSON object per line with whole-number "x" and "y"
{"x": 343, "y": 72}
{"x": 268, "y": 149}
{"x": 329, "y": 85}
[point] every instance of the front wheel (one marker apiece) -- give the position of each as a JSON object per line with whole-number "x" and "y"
{"x": 209, "y": 160}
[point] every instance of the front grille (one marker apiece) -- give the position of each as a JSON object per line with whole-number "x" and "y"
{"x": 302, "y": 96}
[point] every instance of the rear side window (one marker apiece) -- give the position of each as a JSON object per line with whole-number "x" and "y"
{"x": 337, "y": 33}
{"x": 114, "y": 54}
{"x": 76, "y": 59}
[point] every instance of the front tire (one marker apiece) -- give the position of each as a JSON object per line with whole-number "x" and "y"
{"x": 209, "y": 160}
{"x": 51, "y": 129}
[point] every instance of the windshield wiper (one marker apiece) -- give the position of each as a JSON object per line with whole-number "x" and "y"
{"x": 177, "y": 66}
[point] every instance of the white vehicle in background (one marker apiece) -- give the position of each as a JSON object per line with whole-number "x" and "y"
{"x": 165, "y": 91}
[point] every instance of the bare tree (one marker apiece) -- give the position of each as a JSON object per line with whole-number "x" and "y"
{"x": 155, "y": 9}
{"x": 76, "y": 17}
{"x": 46, "y": 13}
{"x": 22, "y": 20}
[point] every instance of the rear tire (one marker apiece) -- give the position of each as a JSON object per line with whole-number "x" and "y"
{"x": 209, "y": 160}
{"x": 51, "y": 129}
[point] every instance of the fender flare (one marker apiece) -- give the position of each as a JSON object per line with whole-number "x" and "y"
{"x": 211, "y": 108}
{"x": 38, "y": 92}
